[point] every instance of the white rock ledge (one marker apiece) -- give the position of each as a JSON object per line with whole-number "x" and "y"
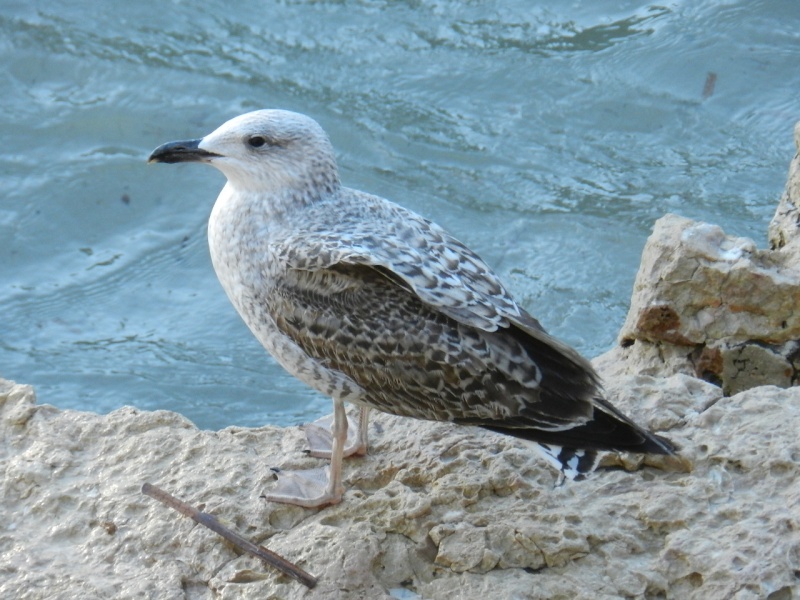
{"x": 435, "y": 511}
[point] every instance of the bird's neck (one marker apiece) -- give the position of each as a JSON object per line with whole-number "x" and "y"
{"x": 271, "y": 203}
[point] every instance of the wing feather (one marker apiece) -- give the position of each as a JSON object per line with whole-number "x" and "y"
{"x": 415, "y": 360}
{"x": 421, "y": 322}
{"x": 441, "y": 271}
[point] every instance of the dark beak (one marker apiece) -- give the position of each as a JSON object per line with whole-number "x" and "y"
{"x": 175, "y": 152}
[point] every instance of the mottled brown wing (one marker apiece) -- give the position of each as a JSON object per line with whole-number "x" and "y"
{"x": 413, "y": 360}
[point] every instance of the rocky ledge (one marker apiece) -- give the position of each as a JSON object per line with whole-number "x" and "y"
{"x": 707, "y": 356}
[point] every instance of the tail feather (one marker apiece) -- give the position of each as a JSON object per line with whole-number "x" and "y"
{"x": 573, "y": 463}
{"x": 602, "y": 433}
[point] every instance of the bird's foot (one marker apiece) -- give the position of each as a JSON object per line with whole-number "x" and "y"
{"x": 320, "y": 438}
{"x": 309, "y": 489}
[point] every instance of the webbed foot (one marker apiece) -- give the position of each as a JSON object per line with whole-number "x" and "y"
{"x": 310, "y": 488}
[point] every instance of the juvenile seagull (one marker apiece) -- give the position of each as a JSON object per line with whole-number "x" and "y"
{"x": 372, "y": 304}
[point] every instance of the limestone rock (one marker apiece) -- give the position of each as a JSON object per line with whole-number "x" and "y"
{"x": 758, "y": 365}
{"x": 783, "y": 230}
{"x": 715, "y": 306}
{"x": 432, "y": 509}
{"x": 697, "y": 285}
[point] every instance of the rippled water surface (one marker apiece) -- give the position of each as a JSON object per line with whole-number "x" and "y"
{"x": 547, "y": 136}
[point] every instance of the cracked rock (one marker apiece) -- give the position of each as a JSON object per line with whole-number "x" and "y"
{"x": 750, "y": 366}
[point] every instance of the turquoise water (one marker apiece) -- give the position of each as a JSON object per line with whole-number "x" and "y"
{"x": 548, "y": 136}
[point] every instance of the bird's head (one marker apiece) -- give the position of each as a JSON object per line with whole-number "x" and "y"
{"x": 265, "y": 151}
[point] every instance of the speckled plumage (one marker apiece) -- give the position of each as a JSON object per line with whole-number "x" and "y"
{"x": 370, "y": 303}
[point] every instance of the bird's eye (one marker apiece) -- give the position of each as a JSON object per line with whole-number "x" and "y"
{"x": 256, "y": 141}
